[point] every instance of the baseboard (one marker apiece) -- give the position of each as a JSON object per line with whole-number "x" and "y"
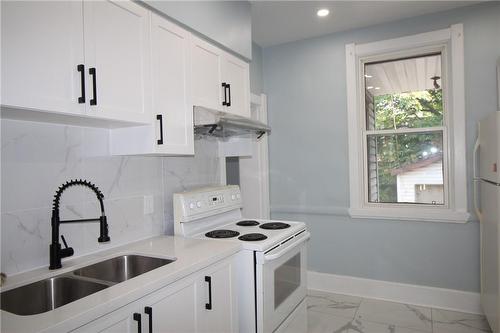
{"x": 441, "y": 298}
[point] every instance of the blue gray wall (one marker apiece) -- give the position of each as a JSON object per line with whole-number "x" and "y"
{"x": 228, "y": 23}
{"x": 256, "y": 70}
{"x": 305, "y": 84}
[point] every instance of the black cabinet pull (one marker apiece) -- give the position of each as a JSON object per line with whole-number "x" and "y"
{"x": 149, "y": 311}
{"x": 137, "y": 317}
{"x": 92, "y": 72}
{"x": 208, "y": 305}
{"x": 224, "y": 103}
{"x": 229, "y": 88}
{"x": 81, "y": 69}
{"x": 160, "y": 118}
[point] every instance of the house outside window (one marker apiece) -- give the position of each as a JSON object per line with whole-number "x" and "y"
{"x": 406, "y": 128}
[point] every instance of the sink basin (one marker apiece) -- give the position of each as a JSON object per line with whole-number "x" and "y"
{"x": 46, "y": 295}
{"x": 121, "y": 268}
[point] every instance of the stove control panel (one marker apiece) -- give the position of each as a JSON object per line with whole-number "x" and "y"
{"x": 192, "y": 205}
{"x": 216, "y": 200}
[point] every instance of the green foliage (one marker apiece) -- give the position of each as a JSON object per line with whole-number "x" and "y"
{"x": 406, "y": 110}
{"x": 409, "y": 110}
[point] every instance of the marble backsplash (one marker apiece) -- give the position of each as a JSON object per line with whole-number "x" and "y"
{"x": 36, "y": 158}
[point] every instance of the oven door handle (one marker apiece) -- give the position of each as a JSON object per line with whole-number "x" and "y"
{"x": 298, "y": 241}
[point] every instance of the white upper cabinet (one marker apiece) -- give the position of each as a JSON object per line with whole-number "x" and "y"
{"x": 172, "y": 87}
{"x": 171, "y": 129}
{"x": 85, "y": 58}
{"x": 206, "y": 71}
{"x": 235, "y": 73}
{"x": 220, "y": 81}
{"x": 115, "y": 64}
{"x": 117, "y": 44}
{"x": 42, "y": 46}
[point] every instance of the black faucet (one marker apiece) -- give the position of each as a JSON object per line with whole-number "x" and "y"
{"x": 56, "y": 252}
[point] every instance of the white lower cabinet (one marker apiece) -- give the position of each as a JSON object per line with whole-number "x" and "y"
{"x": 202, "y": 302}
{"x": 216, "y": 309}
{"x": 172, "y": 313}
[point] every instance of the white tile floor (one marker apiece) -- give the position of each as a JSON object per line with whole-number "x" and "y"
{"x": 332, "y": 313}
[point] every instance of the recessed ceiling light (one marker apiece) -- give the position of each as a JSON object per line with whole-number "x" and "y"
{"x": 369, "y": 87}
{"x": 368, "y": 76}
{"x": 323, "y": 12}
{"x": 377, "y": 88}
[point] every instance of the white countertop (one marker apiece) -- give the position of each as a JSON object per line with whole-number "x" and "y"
{"x": 191, "y": 255}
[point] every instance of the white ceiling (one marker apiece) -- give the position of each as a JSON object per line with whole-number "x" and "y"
{"x": 277, "y": 22}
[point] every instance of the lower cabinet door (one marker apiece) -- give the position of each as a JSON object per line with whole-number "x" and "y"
{"x": 174, "y": 313}
{"x": 217, "y": 310}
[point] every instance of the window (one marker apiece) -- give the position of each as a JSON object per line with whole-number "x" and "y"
{"x": 404, "y": 134}
{"x": 406, "y": 125}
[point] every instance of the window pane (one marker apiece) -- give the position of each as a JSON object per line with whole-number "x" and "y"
{"x": 404, "y": 93}
{"x": 406, "y": 168}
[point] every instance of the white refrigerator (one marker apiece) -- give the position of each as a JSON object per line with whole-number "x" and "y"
{"x": 487, "y": 202}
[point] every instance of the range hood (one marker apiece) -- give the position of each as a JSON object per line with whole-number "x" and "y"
{"x": 224, "y": 125}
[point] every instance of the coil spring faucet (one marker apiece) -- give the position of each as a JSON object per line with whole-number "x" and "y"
{"x": 56, "y": 252}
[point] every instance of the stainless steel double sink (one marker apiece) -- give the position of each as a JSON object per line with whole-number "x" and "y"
{"x": 51, "y": 293}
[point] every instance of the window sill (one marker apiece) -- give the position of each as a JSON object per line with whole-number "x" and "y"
{"x": 410, "y": 214}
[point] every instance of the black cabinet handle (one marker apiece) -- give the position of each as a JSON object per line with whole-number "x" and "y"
{"x": 81, "y": 69}
{"x": 229, "y": 88}
{"x": 149, "y": 311}
{"x": 160, "y": 118}
{"x": 224, "y": 103}
{"x": 208, "y": 305}
{"x": 137, "y": 317}
{"x": 92, "y": 72}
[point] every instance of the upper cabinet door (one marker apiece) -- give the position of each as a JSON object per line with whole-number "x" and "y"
{"x": 42, "y": 46}
{"x": 117, "y": 52}
{"x": 235, "y": 72}
{"x": 206, "y": 74}
{"x": 172, "y": 104}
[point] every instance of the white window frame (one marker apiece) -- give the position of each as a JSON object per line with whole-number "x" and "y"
{"x": 450, "y": 42}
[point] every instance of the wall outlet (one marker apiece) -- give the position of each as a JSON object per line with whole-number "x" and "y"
{"x": 148, "y": 204}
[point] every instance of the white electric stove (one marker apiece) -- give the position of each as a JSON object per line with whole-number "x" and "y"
{"x": 272, "y": 266}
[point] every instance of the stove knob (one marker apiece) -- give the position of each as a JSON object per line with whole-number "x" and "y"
{"x": 233, "y": 197}
{"x": 198, "y": 204}
{"x": 238, "y": 196}
{"x": 191, "y": 205}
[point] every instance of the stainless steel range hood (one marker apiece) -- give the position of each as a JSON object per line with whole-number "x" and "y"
{"x": 223, "y": 125}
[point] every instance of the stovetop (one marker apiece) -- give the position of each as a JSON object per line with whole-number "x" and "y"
{"x": 251, "y": 234}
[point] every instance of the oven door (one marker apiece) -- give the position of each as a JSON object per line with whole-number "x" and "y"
{"x": 283, "y": 281}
